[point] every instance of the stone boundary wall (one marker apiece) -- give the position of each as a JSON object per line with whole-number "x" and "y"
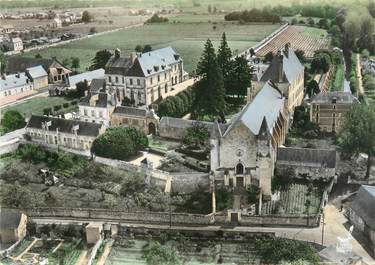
{"x": 175, "y": 218}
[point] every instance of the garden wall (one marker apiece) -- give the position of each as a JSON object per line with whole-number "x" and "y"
{"x": 176, "y": 218}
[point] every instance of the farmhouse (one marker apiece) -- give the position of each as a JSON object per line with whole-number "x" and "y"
{"x": 38, "y": 76}
{"x": 16, "y": 84}
{"x": 245, "y": 152}
{"x": 144, "y": 78}
{"x": 328, "y": 109}
{"x": 12, "y": 226}
{"x": 61, "y": 132}
{"x": 362, "y": 213}
{"x": 287, "y": 73}
{"x": 57, "y": 73}
{"x": 143, "y": 119}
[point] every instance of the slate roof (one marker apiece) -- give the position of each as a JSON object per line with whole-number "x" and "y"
{"x": 97, "y": 84}
{"x": 9, "y": 219}
{"x": 36, "y": 72}
{"x": 88, "y": 76}
{"x": 131, "y": 111}
{"x": 145, "y": 64}
{"x": 267, "y": 104}
{"x": 66, "y": 126}
{"x": 363, "y": 205}
{"x": 102, "y": 102}
{"x": 307, "y": 156}
{"x": 158, "y": 60}
{"x": 340, "y": 96}
{"x": 118, "y": 65}
{"x": 291, "y": 67}
{"x": 14, "y": 80}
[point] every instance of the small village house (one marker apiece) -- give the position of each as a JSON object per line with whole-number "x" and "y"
{"x": 328, "y": 109}
{"x": 15, "y": 84}
{"x": 12, "y": 226}
{"x": 38, "y": 76}
{"x": 14, "y": 44}
{"x": 57, "y": 72}
{"x": 71, "y": 134}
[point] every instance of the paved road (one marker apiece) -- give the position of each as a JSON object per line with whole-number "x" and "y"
{"x": 334, "y": 228}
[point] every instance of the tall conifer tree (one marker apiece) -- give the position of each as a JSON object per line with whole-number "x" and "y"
{"x": 224, "y": 55}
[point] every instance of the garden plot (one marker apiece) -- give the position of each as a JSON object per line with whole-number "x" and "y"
{"x": 293, "y": 199}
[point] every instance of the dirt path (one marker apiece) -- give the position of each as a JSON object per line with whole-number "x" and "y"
{"x": 82, "y": 260}
{"x": 103, "y": 258}
{"x": 360, "y": 91}
{"x": 27, "y": 249}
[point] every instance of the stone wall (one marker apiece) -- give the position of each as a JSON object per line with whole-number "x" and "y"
{"x": 175, "y": 218}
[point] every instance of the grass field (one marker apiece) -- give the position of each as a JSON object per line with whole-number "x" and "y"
{"x": 187, "y": 35}
{"x": 37, "y": 104}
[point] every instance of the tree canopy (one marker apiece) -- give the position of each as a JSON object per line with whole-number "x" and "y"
{"x": 357, "y": 132}
{"x": 239, "y": 78}
{"x": 224, "y": 56}
{"x": 100, "y": 60}
{"x": 197, "y": 136}
{"x": 210, "y": 88}
{"x": 12, "y": 120}
{"x": 157, "y": 254}
{"x": 119, "y": 143}
{"x": 2, "y": 63}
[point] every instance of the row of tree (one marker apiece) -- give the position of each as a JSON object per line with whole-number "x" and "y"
{"x": 253, "y": 15}
{"x": 179, "y": 105}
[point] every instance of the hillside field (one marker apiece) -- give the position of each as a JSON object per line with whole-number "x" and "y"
{"x": 185, "y": 33}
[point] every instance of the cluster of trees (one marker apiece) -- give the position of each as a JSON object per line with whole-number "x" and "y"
{"x": 272, "y": 250}
{"x": 100, "y": 60}
{"x": 179, "y": 105}
{"x": 197, "y": 137}
{"x": 157, "y": 19}
{"x": 157, "y": 254}
{"x": 12, "y": 120}
{"x": 119, "y": 143}
{"x": 253, "y": 15}
{"x": 302, "y": 126}
{"x": 72, "y": 62}
{"x": 3, "y": 63}
{"x": 357, "y": 132}
{"x": 143, "y": 49}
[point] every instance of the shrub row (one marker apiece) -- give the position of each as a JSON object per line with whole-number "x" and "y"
{"x": 48, "y": 111}
{"x": 179, "y": 105}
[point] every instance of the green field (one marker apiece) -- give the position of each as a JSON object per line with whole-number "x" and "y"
{"x": 185, "y": 33}
{"x": 37, "y": 104}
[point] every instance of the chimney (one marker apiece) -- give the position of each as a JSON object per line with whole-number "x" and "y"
{"x": 279, "y": 61}
{"x": 287, "y": 46}
{"x": 117, "y": 53}
{"x": 133, "y": 55}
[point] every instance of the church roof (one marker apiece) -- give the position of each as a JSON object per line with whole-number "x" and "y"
{"x": 363, "y": 205}
{"x": 267, "y": 104}
{"x": 286, "y": 61}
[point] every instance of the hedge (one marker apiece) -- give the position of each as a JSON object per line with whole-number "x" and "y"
{"x": 179, "y": 105}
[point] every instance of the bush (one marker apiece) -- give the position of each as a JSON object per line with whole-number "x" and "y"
{"x": 272, "y": 250}
{"x": 73, "y": 103}
{"x": 12, "y": 120}
{"x": 56, "y": 107}
{"x": 157, "y": 254}
{"x": 65, "y": 105}
{"x": 119, "y": 143}
{"x": 47, "y": 111}
{"x": 197, "y": 137}
{"x": 156, "y": 19}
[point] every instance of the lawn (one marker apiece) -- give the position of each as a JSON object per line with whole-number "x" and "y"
{"x": 338, "y": 82}
{"x": 315, "y": 32}
{"x": 162, "y": 144}
{"x": 185, "y": 33}
{"x": 37, "y": 104}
